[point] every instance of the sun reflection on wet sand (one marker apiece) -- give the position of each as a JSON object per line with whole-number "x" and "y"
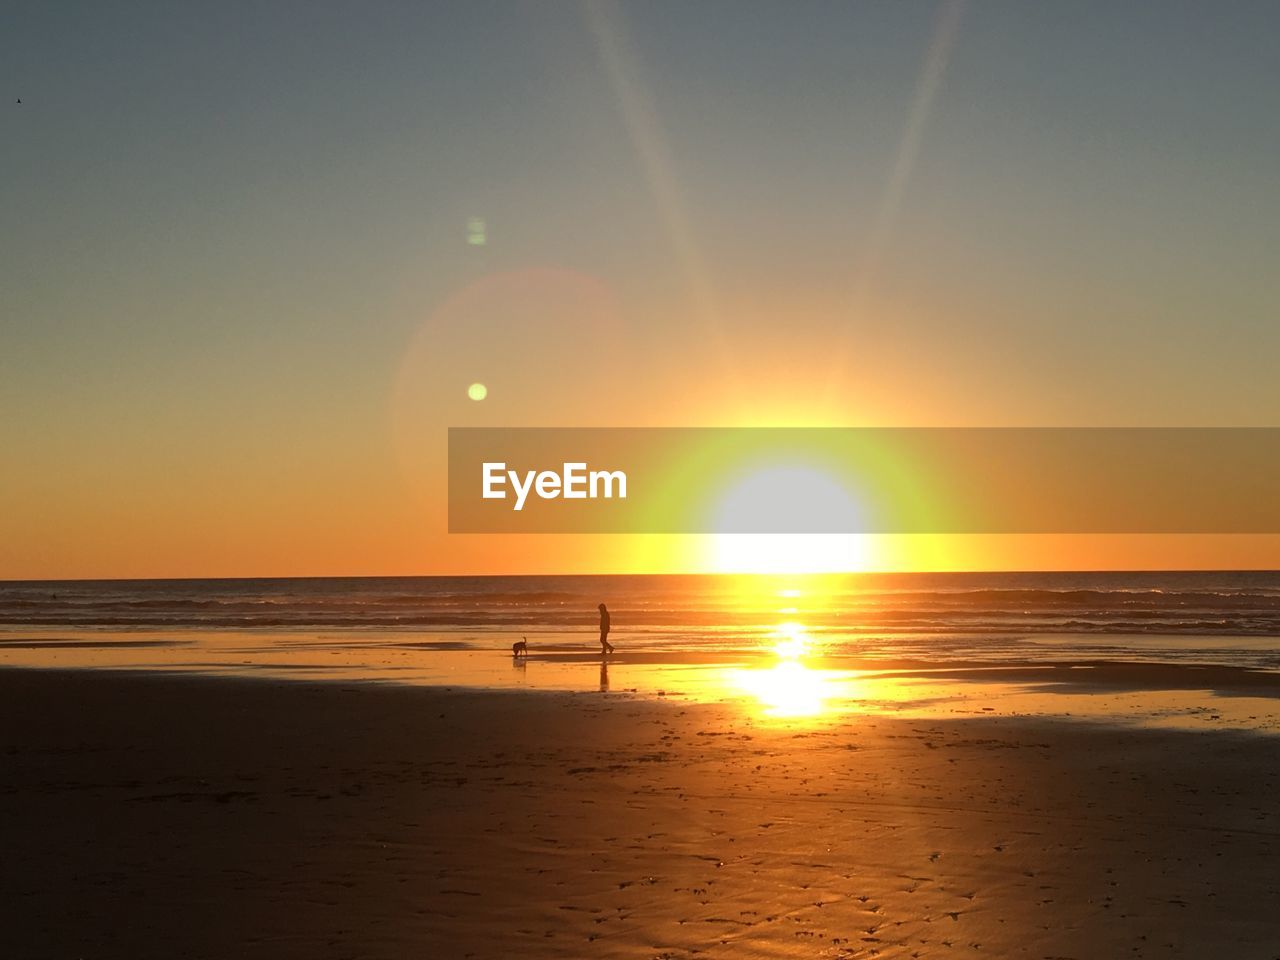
{"x": 788, "y": 689}
{"x": 790, "y": 676}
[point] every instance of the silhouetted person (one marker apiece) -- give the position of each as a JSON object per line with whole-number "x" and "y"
{"x": 605, "y": 646}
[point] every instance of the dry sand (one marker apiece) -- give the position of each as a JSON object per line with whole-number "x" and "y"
{"x": 162, "y": 816}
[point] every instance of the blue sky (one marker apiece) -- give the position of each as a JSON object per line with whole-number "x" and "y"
{"x": 227, "y": 226}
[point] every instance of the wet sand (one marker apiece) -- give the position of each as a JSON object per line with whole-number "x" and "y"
{"x": 145, "y": 815}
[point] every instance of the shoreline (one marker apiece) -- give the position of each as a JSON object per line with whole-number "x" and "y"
{"x": 1159, "y": 690}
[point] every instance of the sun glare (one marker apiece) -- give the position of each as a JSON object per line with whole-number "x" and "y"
{"x": 792, "y": 642}
{"x": 791, "y": 553}
{"x": 789, "y": 689}
{"x": 784, "y": 498}
{"x": 780, "y": 497}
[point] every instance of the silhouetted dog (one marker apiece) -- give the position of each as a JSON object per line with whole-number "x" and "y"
{"x": 520, "y": 649}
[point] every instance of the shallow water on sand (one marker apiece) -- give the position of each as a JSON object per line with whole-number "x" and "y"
{"x": 787, "y": 680}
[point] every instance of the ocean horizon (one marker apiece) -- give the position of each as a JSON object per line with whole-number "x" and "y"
{"x": 1214, "y": 617}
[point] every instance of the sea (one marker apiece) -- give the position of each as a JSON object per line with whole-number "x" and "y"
{"x": 1220, "y": 617}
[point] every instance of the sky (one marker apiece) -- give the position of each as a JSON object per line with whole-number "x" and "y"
{"x": 241, "y": 299}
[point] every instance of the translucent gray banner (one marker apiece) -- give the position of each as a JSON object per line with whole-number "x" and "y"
{"x": 864, "y": 480}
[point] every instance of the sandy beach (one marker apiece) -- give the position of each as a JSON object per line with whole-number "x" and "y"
{"x": 144, "y": 815}
{"x": 624, "y": 480}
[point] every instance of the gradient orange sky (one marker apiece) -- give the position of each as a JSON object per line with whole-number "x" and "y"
{"x": 241, "y": 297}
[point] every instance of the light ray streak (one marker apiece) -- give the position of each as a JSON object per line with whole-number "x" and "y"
{"x": 933, "y": 70}
{"x": 644, "y": 128}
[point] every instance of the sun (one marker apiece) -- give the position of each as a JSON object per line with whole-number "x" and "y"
{"x": 791, "y": 553}
{"x": 786, "y": 497}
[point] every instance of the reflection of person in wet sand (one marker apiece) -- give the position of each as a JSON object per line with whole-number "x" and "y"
{"x": 606, "y": 647}
{"x": 604, "y": 676}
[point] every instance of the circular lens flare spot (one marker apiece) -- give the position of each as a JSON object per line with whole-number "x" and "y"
{"x": 477, "y": 391}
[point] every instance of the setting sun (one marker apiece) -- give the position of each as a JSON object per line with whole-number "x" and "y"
{"x": 791, "y": 553}
{"x": 795, "y": 496}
